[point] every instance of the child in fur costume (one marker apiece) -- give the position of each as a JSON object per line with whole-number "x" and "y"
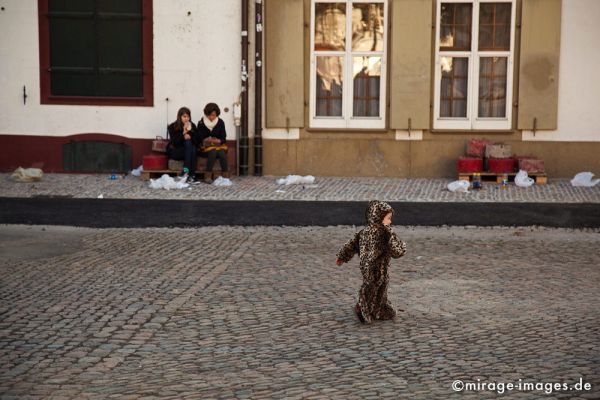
{"x": 375, "y": 245}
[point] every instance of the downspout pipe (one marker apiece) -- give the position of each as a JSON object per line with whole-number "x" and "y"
{"x": 259, "y": 24}
{"x": 243, "y": 146}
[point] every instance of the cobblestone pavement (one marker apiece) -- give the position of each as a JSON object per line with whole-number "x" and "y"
{"x": 325, "y": 188}
{"x": 264, "y": 313}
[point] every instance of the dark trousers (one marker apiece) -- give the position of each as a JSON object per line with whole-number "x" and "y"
{"x": 187, "y": 153}
{"x": 212, "y": 156}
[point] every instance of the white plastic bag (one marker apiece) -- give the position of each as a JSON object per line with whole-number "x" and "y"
{"x": 584, "y": 179}
{"x": 459, "y": 186}
{"x": 27, "y": 174}
{"x": 220, "y": 181}
{"x": 138, "y": 171}
{"x": 523, "y": 180}
{"x": 296, "y": 180}
{"x": 168, "y": 183}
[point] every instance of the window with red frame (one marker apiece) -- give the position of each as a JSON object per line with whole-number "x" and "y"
{"x": 96, "y": 52}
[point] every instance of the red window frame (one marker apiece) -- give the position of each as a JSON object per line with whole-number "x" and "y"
{"x": 46, "y": 97}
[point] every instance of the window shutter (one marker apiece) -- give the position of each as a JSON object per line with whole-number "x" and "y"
{"x": 410, "y": 63}
{"x": 539, "y": 60}
{"x": 284, "y": 63}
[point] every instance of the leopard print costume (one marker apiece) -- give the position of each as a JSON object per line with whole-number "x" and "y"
{"x": 375, "y": 245}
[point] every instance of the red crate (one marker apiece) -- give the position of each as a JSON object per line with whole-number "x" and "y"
{"x": 469, "y": 164}
{"x": 476, "y": 147}
{"x": 155, "y": 162}
{"x": 531, "y": 164}
{"x": 501, "y": 165}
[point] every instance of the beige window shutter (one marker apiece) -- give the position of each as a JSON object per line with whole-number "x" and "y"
{"x": 410, "y": 63}
{"x": 538, "y": 67}
{"x": 284, "y": 63}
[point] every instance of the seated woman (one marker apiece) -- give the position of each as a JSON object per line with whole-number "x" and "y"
{"x": 212, "y": 138}
{"x": 182, "y": 142}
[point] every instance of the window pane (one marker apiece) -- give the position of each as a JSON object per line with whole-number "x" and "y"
{"x": 454, "y": 85}
{"x": 120, "y": 85}
{"x": 330, "y": 79}
{"x": 119, "y": 43}
{"x": 455, "y": 26}
{"x": 72, "y": 57}
{"x": 330, "y": 26}
{"x": 494, "y": 26}
{"x": 367, "y": 79}
{"x": 367, "y": 27}
{"x": 70, "y": 6}
{"x": 72, "y": 42}
{"x": 492, "y": 87}
{"x": 120, "y": 6}
{"x": 64, "y": 83}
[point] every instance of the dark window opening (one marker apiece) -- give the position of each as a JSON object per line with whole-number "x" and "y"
{"x": 96, "y": 51}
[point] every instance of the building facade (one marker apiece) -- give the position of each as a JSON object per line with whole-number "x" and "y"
{"x": 521, "y": 72}
{"x": 102, "y": 71}
{"x": 351, "y": 88}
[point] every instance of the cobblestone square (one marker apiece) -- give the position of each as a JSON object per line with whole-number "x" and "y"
{"x": 325, "y": 188}
{"x": 264, "y": 312}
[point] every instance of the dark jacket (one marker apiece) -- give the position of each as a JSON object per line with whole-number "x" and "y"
{"x": 176, "y": 139}
{"x": 217, "y": 132}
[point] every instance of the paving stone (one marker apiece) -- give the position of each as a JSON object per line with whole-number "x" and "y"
{"x": 263, "y": 312}
{"x": 325, "y": 188}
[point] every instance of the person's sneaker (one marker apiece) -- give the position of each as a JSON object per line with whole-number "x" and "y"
{"x": 184, "y": 172}
{"x": 190, "y": 179}
{"x": 208, "y": 181}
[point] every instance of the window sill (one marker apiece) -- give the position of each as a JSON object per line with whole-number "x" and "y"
{"x": 473, "y": 131}
{"x": 347, "y": 130}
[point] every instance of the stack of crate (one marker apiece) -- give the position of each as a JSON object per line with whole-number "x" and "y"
{"x": 472, "y": 161}
{"x": 499, "y": 158}
{"x": 490, "y": 159}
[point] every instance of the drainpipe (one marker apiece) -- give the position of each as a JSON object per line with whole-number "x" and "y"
{"x": 237, "y": 120}
{"x": 243, "y": 167}
{"x": 258, "y": 90}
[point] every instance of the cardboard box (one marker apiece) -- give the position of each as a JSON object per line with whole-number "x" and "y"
{"x": 498, "y": 151}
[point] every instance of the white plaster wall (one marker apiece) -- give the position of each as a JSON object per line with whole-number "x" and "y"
{"x": 196, "y": 60}
{"x": 579, "y": 75}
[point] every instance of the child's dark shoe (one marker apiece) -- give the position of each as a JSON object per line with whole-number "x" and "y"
{"x": 359, "y": 315}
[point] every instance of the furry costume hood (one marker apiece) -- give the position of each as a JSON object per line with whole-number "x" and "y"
{"x": 376, "y": 211}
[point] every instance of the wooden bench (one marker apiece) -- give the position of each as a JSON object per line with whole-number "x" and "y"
{"x": 175, "y": 167}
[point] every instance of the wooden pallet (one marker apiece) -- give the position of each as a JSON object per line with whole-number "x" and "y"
{"x": 155, "y": 174}
{"x": 540, "y": 178}
{"x": 147, "y": 174}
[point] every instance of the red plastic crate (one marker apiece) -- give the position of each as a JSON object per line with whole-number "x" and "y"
{"x": 476, "y": 147}
{"x": 155, "y": 162}
{"x": 531, "y": 164}
{"x": 501, "y": 165}
{"x": 469, "y": 164}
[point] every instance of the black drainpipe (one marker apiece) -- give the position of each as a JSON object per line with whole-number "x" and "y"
{"x": 258, "y": 91}
{"x": 244, "y": 123}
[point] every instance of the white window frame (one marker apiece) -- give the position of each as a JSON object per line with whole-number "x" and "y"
{"x": 472, "y": 121}
{"x": 347, "y": 121}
